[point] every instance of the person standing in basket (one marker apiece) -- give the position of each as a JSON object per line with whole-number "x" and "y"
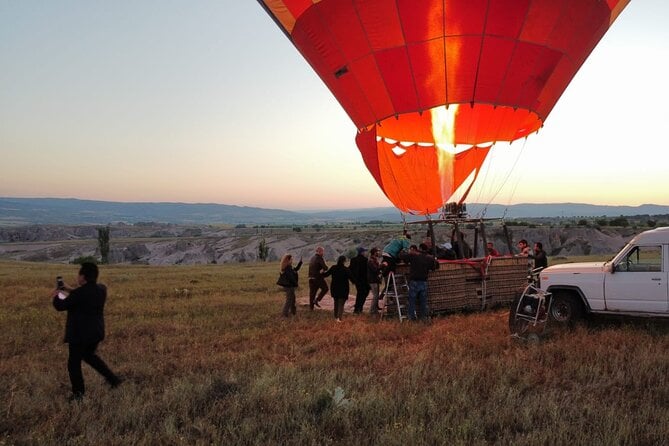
{"x": 491, "y": 251}
{"x": 341, "y": 275}
{"x": 358, "y": 267}
{"x": 524, "y": 248}
{"x": 420, "y": 264}
{"x": 288, "y": 279}
{"x": 540, "y": 259}
{"x": 317, "y": 267}
{"x": 84, "y": 327}
{"x": 374, "y": 278}
{"x": 460, "y": 245}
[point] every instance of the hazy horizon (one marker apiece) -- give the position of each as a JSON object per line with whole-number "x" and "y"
{"x": 345, "y": 208}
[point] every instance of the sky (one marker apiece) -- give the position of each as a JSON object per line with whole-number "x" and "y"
{"x": 208, "y": 102}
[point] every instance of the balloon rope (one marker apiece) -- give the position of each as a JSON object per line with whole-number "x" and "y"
{"x": 483, "y": 183}
{"x": 515, "y": 186}
{"x": 509, "y": 174}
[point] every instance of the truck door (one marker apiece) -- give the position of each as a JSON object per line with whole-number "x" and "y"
{"x": 639, "y": 282}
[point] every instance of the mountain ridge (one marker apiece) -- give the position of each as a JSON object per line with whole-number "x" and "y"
{"x": 27, "y": 211}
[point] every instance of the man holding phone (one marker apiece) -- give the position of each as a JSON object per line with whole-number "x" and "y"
{"x": 85, "y": 326}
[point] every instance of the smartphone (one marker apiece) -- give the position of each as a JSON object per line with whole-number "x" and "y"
{"x": 59, "y": 283}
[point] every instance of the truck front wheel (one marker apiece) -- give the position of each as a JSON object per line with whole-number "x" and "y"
{"x": 565, "y": 308}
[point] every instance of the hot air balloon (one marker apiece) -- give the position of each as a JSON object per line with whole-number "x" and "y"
{"x": 421, "y": 78}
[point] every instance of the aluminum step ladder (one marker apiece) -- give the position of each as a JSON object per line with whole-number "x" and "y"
{"x": 396, "y": 294}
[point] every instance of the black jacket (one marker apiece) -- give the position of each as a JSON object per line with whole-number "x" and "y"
{"x": 420, "y": 264}
{"x": 373, "y": 270}
{"x": 316, "y": 265}
{"x": 358, "y": 267}
{"x": 339, "y": 287}
{"x": 289, "y": 277}
{"x": 540, "y": 259}
{"x": 85, "y": 319}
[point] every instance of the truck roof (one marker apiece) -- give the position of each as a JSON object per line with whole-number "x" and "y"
{"x": 657, "y": 235}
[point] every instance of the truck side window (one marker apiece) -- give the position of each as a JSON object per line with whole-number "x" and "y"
{"x": 642, "y": 259}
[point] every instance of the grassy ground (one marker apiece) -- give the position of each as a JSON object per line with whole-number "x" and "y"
{"x": 208, "y": 360}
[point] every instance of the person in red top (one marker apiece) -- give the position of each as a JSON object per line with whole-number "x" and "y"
{"x": 491, "y": 251}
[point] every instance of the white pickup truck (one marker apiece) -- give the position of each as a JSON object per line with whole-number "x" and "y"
{"x": 635, "y": 282}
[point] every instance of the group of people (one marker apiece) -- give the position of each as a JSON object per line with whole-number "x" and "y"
{"x": 537, "y": 254}
{"x": 365, "y": 272}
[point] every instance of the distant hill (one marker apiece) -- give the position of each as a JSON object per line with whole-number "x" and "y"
{"x": 15, "y": 211}
{"x": 26, "y": 211}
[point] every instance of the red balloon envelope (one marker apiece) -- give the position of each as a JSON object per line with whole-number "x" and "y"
{"x": 418, "y": 77}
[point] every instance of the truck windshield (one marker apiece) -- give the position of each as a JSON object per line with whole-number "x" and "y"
{"x": 642, "y": 259}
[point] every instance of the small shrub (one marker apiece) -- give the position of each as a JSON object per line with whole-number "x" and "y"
{"x": 84, "y": 259}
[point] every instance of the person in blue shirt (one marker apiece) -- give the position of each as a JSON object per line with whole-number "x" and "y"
{"x": 391, "y": 252}
{"x": 391, "y": 255}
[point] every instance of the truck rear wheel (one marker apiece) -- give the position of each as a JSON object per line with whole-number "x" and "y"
{"x": 566, "y": 309}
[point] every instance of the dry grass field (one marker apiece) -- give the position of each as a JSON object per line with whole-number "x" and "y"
{"x": 208, "y": 360}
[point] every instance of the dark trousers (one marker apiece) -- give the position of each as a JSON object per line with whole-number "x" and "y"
{"x": 289, "y": 306}
{"x": 86, "y": 353}
{"x": 339, "y": 308}
{"x": 315, "y": 284}
{"x": 418, "y": 290}
{"x": 388, "y": 264}
{"x": 375, "y": 297}
{"x": 362, "y": 291}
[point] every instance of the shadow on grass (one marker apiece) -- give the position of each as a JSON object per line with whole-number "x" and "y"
{"x": 651, "y": 326}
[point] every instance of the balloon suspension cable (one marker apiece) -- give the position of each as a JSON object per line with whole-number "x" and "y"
{"x": 484, "y": 180}
{"x": 515, "y": 186}
{"x": 513, "y": 167}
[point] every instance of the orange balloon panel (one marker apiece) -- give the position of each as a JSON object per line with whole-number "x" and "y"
{"x": 418, "y": 179}
{"x": 394, "y": 65}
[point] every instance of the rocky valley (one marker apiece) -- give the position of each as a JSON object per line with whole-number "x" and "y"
{"x": 169, "y": 244}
